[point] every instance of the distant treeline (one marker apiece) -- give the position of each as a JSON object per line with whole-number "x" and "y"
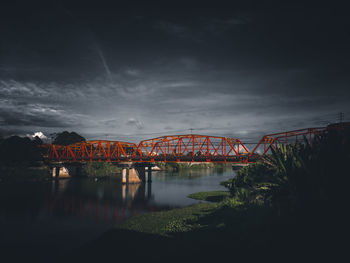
{"x": 17, "y": 150}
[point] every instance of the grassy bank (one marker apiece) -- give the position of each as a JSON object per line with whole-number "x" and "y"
{"x": 189, "y": 165}
{"x": 214, "y": 231}
{"x": 227, "y": 183}
{"x": 100, "y": 170}
{"x": 212, "y": 196}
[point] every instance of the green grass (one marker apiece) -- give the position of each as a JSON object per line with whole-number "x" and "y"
{"x": 212, "y": 196}
{"x": 102, "y": 169}
{"x": 165, "y": 223}
{"x": 216, "y": 231}
{"x": 193, "y": 233}
{"x": 227, "y": 183}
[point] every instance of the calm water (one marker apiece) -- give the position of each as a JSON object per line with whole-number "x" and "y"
{"x": 65, "y": 214}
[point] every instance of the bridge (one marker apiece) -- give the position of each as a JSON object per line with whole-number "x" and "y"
{"x": 179, "y": 148}
{"x": 174, "y": 148}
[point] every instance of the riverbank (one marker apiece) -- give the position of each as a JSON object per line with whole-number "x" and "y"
{"x": 206, "y": 231}
{"x": 190, "y": 165}
{"x": 101, "y": 170}
{"x": 212, "y": 196}
{"x": 221, "y": 230}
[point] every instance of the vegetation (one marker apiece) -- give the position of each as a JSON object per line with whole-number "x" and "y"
{"x": 286, "y": 205}
{"x": 21, "y": 159}
{"x": 188, "y": 165}
{"x": 226, "y": 183}
{"x": 66, "y": 138}
{"x": 197, "y": 232}
{"x": 167, "y": 222}
{"x": 296, "y": 178}
{"x": 101, "y": 169}
{"x": 212, "y": 196}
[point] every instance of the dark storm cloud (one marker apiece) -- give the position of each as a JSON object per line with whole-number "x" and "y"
{"x": 134, "y": 71}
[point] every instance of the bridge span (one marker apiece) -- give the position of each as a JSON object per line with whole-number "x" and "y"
{"x": 134, "y": 158}
{"x": 179, "y": 148}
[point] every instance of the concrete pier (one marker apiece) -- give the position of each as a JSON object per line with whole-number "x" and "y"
{"x": 60, "y": 172}
{"x": 130, "y": 175}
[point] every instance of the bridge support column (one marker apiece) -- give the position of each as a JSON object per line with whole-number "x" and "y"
{"x": 125, "y": 175}
{"x": 55, "y": 172}
{"x": 134, "y": 176}
{"x": 60, "y": 172}
{"x": 130, "y": 175}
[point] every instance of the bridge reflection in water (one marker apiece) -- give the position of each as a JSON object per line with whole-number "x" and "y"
{"x": 126, "y": 200}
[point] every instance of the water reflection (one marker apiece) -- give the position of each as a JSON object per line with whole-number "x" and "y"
{"x": 68, "y": 213}
{"x": 108, "y": 201}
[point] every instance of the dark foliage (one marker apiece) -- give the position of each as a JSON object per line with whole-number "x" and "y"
{"x": 67, "y": 138}
{"x": 17, "y": 150}
{"x": 37, "y": 140}
{"x": 298, "y": 177}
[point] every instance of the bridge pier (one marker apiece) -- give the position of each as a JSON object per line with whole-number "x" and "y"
{"x": 65, "y": 170}
{"x": 60, "y": 172}
{"x": 131, "y": 175}
{"x": 136, "y": 173}
{"x": 125, "y": 176}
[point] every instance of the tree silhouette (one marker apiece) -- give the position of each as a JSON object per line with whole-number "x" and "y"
{"x": 66, "y": 138}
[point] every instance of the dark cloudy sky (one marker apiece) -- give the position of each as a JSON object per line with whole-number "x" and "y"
{"x": 133, "y": 70}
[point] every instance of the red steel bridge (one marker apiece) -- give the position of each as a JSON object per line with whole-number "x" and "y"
{"x": 179, "y": 148}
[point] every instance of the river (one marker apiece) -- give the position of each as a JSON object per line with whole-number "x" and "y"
{"x": 41, "y": 219}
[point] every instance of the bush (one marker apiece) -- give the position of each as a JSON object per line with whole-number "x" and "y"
{"x": 296, "y": 177}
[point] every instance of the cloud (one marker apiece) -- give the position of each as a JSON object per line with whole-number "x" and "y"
{"x": 134, "y": 122}
{"x": 38, "y": 134}
{"x": 182, "y": 92}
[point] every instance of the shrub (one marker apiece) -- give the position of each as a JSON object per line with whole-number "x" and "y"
{"x": 298, "y": 176}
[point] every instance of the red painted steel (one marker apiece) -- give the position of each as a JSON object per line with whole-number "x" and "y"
{"x": 90, "y": 151}
{"x": 274, "y": 140}
{"x": 180, "y": 148}
{"x": 191, "y": 148}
